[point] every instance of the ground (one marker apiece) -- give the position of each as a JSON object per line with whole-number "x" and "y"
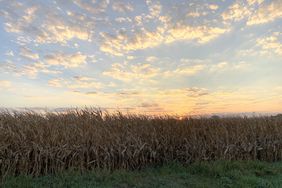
{"x": 199, "y": 175}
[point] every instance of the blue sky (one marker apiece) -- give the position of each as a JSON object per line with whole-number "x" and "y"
{"x": 155, "y": 57}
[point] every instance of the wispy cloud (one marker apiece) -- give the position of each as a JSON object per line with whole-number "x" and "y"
{"x": 271, "y": 44}
{"x": 132, "y": 73}
{"x": 122, "y": 7}
{"x": 5, "y": 84}
{"x": 123, "y": 43}
{"x": 53, "y": 28}
{"x": 18, "y": 24}
{"x": 28, "y": 70}
{"x": 93, "y": 7}
{"x": 27, "y": 53}
{"x": 76, "y": 82}
{"x": 66, "y": 60}
{"x": 237, "y": 11}
{"x": 266, "y": 13}
{"x": 185, "y": 70}
{"x": 253, "y": 11}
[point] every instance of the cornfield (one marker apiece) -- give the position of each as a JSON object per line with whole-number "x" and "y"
{"x": 35, "y": 144}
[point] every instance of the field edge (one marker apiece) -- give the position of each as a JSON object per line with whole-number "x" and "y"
{"x": 200, "y": 174}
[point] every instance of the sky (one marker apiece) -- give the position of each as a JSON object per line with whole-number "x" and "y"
{"x": 143, "y": 56}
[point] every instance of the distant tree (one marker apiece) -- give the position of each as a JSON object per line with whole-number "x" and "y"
{"x": 215, "y": 117}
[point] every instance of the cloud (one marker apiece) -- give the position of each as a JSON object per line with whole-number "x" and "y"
{"x": 55, "y": 83}
{"x": 247, "y": 52}
{"x": 195, "y": 14}
{"x": 130, "y": 57}
{"x": 34, "y": 69}
{"x": 252, "y": 2}
{"x": 266, "y": 13}
{"x": 122, "y": 7}
{"x": 227, "y": 66}
{"x": 155, "y": 101}
{"x": 7, "y": 67}
{"x": 237, "y": 11}
{"x": 245, "y": 99}
{"x": 57, "y": 30}
{"x": 196, "y": 92}
{"x": 170, "y": 101}
{"x": 192, "y": 67}
{"x": 18, "y": 24}
{"x": 123, "y": 43}
{"x": 202, "y": 34}
{"x": 5, "y": 84}
{"x": 148, "y": 105}
{"x": 154, "y": 8}
{"x": 66, "y": 60}
{"x": 128, "y": 93}
{"x": 133, "y": 73}
{"x": 271, "y": 44}
{"x": 76, "y": 82}
{"x": 138, "y": 20}
{"x": 27, "y": 53}
{"x": 94, "y": 7}
{"x": 29, "y": 70}
{"x": 195, "y": 10}
{"x": 213, "y": 6}
{"x": 123, "y": 19}
{"x": 254, "y": 11}
{"x": 10, "y": 53}
{"x": 146, "y": 73}
{"x": 151, "y": 58}
{"x": 184, "y": 70}
{"x": 42, "y": 24}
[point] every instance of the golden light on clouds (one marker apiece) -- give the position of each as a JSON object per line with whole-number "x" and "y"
{"x": 155, "y": 57}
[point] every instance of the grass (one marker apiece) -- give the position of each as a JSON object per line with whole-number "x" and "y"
{"x": 84, "y": 140}
{"x": 227, "y": 174}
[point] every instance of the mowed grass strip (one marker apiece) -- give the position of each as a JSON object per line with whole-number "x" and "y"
{"x": 237, "y": 174}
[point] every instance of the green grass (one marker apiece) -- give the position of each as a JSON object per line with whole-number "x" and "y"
{"x": 199, "y": 175}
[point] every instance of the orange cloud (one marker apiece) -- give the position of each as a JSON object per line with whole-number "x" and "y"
{"x": 66, "y": 60}
{"x": 270, "y": 44}
{"x": 266, "y": 13}
{"x": 122, "y": 43}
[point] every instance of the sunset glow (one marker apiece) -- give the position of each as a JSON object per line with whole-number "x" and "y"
{"x": 144, "y": 56}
